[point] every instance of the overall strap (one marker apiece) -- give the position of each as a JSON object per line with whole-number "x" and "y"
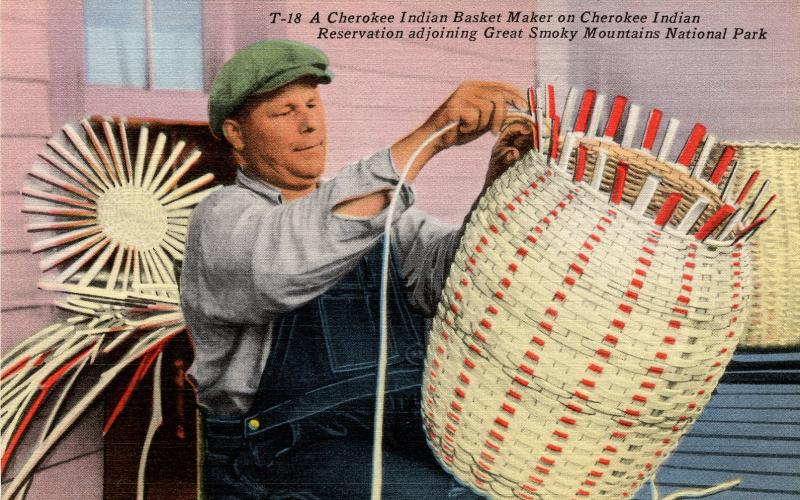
{"x": 326, "y": 398}
{"x": 324, "y": 354}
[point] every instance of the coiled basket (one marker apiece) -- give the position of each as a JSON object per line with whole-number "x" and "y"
{"x": 577, "y": 338}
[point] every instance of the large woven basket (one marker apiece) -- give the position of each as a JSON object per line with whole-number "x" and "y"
{"x": 775, "y": 318}
{"x": 576, "y": 340}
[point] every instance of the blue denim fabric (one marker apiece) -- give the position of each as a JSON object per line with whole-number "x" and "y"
{"x": 335, "y": 468}
{"x": 315, "y": 405}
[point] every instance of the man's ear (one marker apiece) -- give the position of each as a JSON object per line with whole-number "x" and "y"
{"x": 232, "y": 131}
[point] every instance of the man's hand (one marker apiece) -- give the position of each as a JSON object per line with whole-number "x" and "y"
{"x": 515, "y": 140}
{"x": 476, "y": 106}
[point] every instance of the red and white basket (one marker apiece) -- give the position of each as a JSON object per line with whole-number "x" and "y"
{"x": 586, "y": 320}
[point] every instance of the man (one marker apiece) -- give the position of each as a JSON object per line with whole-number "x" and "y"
{"x": 280, "y": 288}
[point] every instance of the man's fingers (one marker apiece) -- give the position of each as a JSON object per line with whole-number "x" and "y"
{"x": 508, "y": 93}
{"x": 496, "y": 91}
{"x": 498, "y": 115}
{"x": 493, "y": 112}
{"x": 511, "y": 94}
{"x": 486, "y": 108}
{"x": 519, "y": 102}
{"x": 516, "y": 99}
{"x": 500, "y": 98}
{"x": 470, "y": 118}
{"x": 447, "y": 116}
{"x": 523, "y": 141}
{"x": 519, "y": 127}
{"x": 477, "y": 107}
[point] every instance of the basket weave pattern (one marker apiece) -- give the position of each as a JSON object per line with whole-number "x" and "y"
{"x": 575, "y": 343}
{"x": 775, "y": 318}
{"x": 641, "y": 165}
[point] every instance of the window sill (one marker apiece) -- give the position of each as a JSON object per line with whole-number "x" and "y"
{"x": 155, "y": 103}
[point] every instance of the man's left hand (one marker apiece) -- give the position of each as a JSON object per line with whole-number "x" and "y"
{"x": 516, "y": 139}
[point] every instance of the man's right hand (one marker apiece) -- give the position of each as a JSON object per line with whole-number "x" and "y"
{"x": 477, "y": 106}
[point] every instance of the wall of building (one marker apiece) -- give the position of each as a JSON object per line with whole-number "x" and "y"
{"x": 740, "y": 89}
{"x": 74, "y": 469}
{"x": 382, "y": 90}
{"x": 25, "y": 125}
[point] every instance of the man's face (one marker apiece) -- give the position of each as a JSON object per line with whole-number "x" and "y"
{"x": 283, "y": 137}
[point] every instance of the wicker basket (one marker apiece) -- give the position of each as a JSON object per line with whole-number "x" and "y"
{"x": 641, "y": 165}
{"x": 576, "y": 341}
{"x": 775, "y": 320}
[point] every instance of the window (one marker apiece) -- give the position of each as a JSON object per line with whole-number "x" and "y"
{"x": 144, "y": 43}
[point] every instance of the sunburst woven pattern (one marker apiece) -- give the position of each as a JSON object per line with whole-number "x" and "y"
{"x": 582, "y": 330}
{"x": 108, "y": 210}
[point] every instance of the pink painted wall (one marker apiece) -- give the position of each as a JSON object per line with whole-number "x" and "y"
{"x": 27, "y": 80}
{"x": 740, "y": 89}
{"x": 25, "y": 124}
{"x": 402, "y": 80}
{"x": 382, "y": 90}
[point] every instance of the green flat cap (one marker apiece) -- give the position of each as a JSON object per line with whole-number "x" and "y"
{"x": 261, "y": 67}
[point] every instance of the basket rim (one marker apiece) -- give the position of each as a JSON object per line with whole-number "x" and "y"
{"x": 761, "y": 144}
{"x": 623, "y": 208}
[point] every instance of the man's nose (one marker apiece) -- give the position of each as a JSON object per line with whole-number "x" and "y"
{"x": 309, "y": 121}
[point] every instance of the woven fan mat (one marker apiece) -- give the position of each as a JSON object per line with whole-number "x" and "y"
{"x": 775, "y": 317}
{"x": 575, "y": 343}
{"x": 108, "y": 206}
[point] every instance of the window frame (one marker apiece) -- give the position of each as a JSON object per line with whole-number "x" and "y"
{"x": 149, "y": 58}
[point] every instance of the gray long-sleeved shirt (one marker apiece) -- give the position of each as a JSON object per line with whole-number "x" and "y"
{"x": 250, "y": 257}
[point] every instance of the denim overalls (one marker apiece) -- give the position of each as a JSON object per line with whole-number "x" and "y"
{"x": 309, "y": 432}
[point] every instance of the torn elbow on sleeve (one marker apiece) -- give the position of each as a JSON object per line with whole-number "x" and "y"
{"x": 365, "y": 206}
